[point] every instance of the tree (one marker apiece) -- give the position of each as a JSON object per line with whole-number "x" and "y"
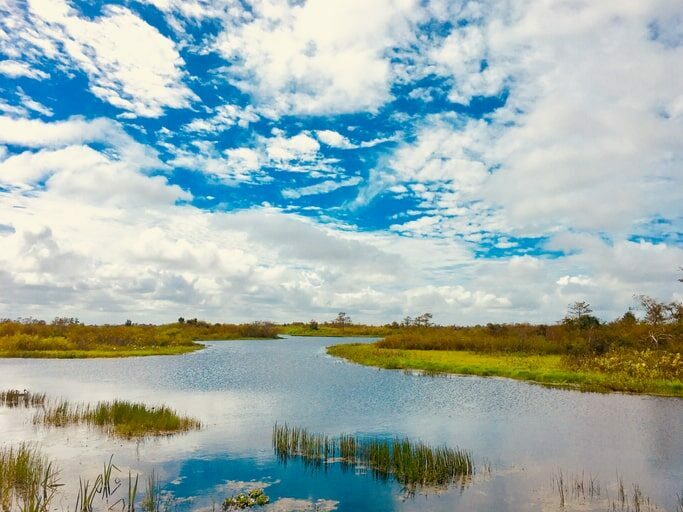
{"x": 407, "y": 322}
{"x": 424, "y": 320}
{"x": 313, "y": 325}
{"x": 342, "y": 319}
{"x": 655, "y": 311}
{"x": 181, "y": 320}
{"x": 579, "y": 315}
{"x": 579, "y": 309}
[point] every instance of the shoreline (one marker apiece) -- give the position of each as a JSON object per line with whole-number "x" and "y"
{"x": 544, "y": 370}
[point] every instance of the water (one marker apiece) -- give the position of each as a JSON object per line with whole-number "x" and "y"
{"x": 239, "y": 389}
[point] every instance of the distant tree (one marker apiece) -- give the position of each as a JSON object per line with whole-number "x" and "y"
{"x": 342, "y": 319}
{"x": 423, "y": 320}
{"x": 407, "y": 322}
{"x": 181, "y": 320}
{"x": 313, "y": 325}
{"x": 129, "y": 323}
{"x": 579, "y": 315}
{"x": 579, "y": 309}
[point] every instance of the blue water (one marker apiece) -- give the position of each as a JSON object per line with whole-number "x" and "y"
{"x": 239, "y": 389}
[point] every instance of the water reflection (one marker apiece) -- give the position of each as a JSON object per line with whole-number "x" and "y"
{"x": 239, "y": 389}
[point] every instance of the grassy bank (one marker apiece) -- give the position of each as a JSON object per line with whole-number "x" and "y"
{"x": 548, "y": 369}
{"x": 68, "y": 338}
{"x": 331, "y": 330}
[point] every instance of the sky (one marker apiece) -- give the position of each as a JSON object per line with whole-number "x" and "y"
{"x": 485, "y": 161}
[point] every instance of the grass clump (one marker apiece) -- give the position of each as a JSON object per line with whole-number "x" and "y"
{"x": 16, "y": 398}
{"x": 410, "y": 463}
{"x": 28, "y": 480}
{"x": 119, "y": 417}
{"x": 241, "y": 501}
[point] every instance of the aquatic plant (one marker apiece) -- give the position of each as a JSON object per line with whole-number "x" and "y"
{"x": 410, "y": 463}
{"x": 252, "y": 498}
{"x": 28, "y": 480}
{"x": 119, "y": 417}
{"x": 574, "y": 492}
{"x": 16, "y": 398}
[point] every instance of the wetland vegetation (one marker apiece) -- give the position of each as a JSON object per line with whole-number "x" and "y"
{"x": 118, "y": 417}
{"x": 631, "y": 355}
{"x": 410, "y": 463}
{"x": 69, "y": 338}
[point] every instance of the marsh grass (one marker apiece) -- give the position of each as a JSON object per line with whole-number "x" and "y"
{"x": 28, "y": 480}
{"x": 16, "y": 398}
{"x": 574, "y": 491}
{"x": 119, "y": 417}
{"x": 410, "y": 463}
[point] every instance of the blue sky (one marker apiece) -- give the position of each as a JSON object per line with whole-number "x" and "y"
{"x": 287, "y": 160}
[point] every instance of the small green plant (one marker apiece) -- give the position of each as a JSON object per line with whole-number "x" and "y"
{"x": 253, "y": 498}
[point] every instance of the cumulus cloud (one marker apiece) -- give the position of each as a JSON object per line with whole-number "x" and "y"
{"x": 16, "y": 69}
{"x": 129, "y": 63}
{"x": 319, "y": 56}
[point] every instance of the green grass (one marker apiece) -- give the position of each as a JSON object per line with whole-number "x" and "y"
{"x": 68, "y": 338}
{"x": 28, "y": 481}
{"x": 410, "y": 463}
{"x": 103, "y": 352}
{"x": 120, "y": 418}
{"x": 547, "y": 369}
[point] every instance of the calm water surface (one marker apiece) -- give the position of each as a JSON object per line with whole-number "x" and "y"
{"x": 239, "y": 389}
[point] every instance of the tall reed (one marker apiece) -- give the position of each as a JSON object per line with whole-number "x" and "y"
{"x": 409, "y": 462}
{"x": 16, "y": 398}
{"x": 119, "y": 417}
{"x": 28, "y": 480}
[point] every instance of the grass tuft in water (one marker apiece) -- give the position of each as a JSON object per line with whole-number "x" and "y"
{"x": 28, "y": 481}
{"x": 410, "y": 463}
{"x": 119, "y": 417}
{"x": 16, "y": 398}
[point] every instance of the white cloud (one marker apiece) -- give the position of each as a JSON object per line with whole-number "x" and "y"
{"x": 298, "y": 147}
{"x": 16, "y": 69}
{"x": 129, "y": 63}
{"x": 589, "y": 135}
{"x": 225, "y": 116}
{"x": 334, "y": 139}
{"x": 319, "y": 56}
{"x": 320, "y": 188}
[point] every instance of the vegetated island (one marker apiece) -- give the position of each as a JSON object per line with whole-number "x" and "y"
{"x": 69, "y": 338}
{"x": 628, "y": 354}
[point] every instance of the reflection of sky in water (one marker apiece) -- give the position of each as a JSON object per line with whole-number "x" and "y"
{"x": 239, "y": 389}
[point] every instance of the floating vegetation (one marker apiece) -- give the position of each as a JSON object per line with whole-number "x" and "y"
{"x": 575, "y": 491}
{"x": 253, "y": 498}
{"x": 28, "y": 481}
{"x": 121, "y": 418}
{"x": 410, "y": 463}
{"x": 16, "y": 398}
